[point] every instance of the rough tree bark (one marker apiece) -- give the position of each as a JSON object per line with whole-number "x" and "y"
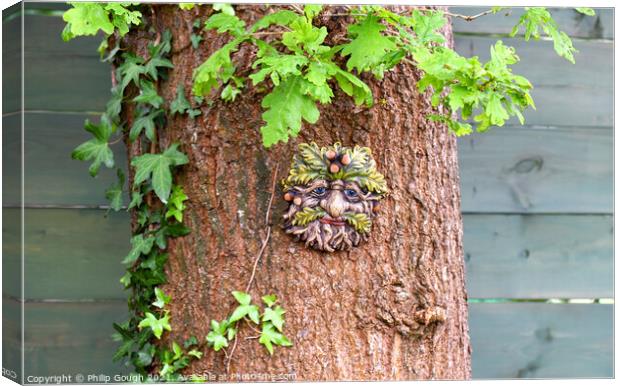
{"x": 394, "y": 308}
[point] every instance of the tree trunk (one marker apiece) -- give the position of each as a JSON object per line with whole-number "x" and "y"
{"x": 392, "y": 309}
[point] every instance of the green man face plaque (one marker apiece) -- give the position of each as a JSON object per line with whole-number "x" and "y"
{"x": 333, "y": 194}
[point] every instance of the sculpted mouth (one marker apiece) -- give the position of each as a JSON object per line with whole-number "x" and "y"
{"x": 331, "y": 221}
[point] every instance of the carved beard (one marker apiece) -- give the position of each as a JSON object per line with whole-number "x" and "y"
{"x": 324, "y": 214}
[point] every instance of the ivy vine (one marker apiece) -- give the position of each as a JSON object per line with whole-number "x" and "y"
{"x": 298, "y": 71}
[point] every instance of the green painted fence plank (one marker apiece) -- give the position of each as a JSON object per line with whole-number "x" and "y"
{"x": 59, "y": 76}
{"x": 530, "y": 340}
{"x": 565, "y": 94}
{"x": 70, "y": 338}
{"x": 11, "y": 338}
{"x": 11, "y": 253}
{"x": 11, "y": 159}
{"x": 11, "y": 61}
{"x": 51, "y": 176}
{"x": 70, "y": 253}
{"x": 526, "y": 170}
{"x": 510, "y": 340}
{"x": 539, "y": 256}
{"x": 570, "y": 21}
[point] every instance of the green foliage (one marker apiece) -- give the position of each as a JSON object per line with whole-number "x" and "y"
{"x": 161, "y": 298}
{"x": 536, "y": 18}
{"x": 157, "y": 168}
{"x": 176, "y": 206}
{"x": 96, "y": 149}
{"x": 300, "y": 70}
{"x": 114, "y": 193}
{"x": 368, "y": 46}
{"x": 271, "y": 321}
{"x": 180, "y": 104}
{"x": 87, "y": 18}
{"x": 157, "y": 325}
{"x": 300, "y": 76}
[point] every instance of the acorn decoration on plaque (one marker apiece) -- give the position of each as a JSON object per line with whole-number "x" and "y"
{"x": 333, "y": 194}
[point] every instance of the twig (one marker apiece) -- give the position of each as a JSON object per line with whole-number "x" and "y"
{"x": 252, "y": 337}
{"x": 257, "y": 259}
{"x": 468, "y": 18}
{"x": 229, "y": 357}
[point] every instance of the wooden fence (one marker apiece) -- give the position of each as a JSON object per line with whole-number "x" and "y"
{"x": 537, "y": 207}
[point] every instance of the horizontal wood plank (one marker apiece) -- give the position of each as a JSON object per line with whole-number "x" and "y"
{"x": 528, "y": 170}
{"x": 69, "y": 253}
{"x": 539, "y": 256}
{"x": 534, "y": 340}
{"x": 70, "y": 338}
{"x": 58, "y": 75}
{"x": 11, "y": 60}
{"x": 565, "y": 94}
{"x": 570, "y": 21}
{"x": 51, "y": 176}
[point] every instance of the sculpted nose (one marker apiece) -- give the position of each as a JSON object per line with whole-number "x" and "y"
{"x": 335, "y": 204}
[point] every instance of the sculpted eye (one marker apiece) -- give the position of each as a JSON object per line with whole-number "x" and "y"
{"x": 350, "y": 193}
{"x": 320, "y": 190}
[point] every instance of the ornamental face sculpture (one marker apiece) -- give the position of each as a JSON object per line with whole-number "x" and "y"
{"x": 333, "y": 193}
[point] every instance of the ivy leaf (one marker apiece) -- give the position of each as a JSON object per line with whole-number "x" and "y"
{"x": 270, "y": 336}
{"x": 96, "y": 149}
{"x": 224, "y": 22}
{"x": 270, "y": 300}
{"x": 242, "y": 298}
{"x": 195, "y": 39}
{"x": 139, "y": 245}
{"x": 146, "y": 123}
{"x": 157, "y": 167}
{"x": 180, "y": 104}
{"x": 217, "y": 336}
{"x": 154, "y": 64}
{"x": 186, "y": 6}
{"x": 175, "y": 206}
{"x": 161, "y": 298}
{"x": 114, "y": 104}
{"x": 195, "y": 353}
{"x": 191, "y": 341}
{"x": 131, "y": 69}
{"x": 275, "y": 316}
{"x": 286, "y": 106}
{"x": 177, "y": 350}
{"x": 136, "y": 200}
{"x": 242, "y": 311}
{"x": 368, "y": 46}
{"x": 156, "y": 325}
{"x": 148, "y": 94}
{"x": 114, "y": 193}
